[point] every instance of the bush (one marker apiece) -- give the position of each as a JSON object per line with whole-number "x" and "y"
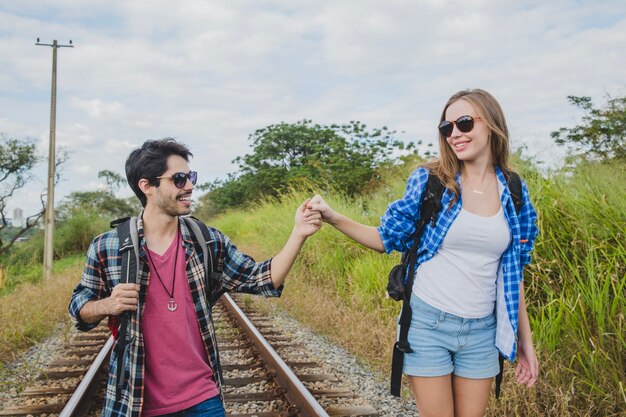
{"x": 76, "y": 232}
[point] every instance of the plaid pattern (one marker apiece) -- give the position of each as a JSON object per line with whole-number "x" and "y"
{"x": 237, "y": 272}
{"x": 398, "y": 224}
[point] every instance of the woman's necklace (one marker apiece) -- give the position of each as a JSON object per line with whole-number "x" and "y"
{"x": 171, "y": 306}
{"x": 479, "y": 191}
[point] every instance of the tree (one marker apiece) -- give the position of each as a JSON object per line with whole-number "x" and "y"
{"x": 17, "y": 159}
{"x": 102, "y": 203}
{"x": 284, "y": 155}
{"x": 113, "y": 179}
{"x": 602, "y": 134}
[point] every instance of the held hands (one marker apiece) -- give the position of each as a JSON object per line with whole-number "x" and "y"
{"x": 527, "y": 369}
{"x": 307, "y": 221}
{"x": 318, "y": 204}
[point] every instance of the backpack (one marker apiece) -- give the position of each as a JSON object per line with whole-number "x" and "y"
{"x": 129, "y": 249}
{"x": 400, "y": 283}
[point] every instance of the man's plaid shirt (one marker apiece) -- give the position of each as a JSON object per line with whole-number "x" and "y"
{"x": 398, "y": 224}
{"x": 237, "y": 272}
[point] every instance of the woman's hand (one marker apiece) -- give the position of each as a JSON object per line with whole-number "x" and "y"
{"x": 318, "y": 204}
{"x": 527, "y": 370}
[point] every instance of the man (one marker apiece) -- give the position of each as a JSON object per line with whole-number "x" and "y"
{"x": 172, "y": 366}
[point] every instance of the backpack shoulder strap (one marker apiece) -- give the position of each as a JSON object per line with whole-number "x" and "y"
{"x": 203, "y": 237}
{"x": 515, "y": 187}
{"x": 431, "y": 199}
{"x": 129, "y": 249}
{"x": 429, "y": 212}
{"x": 128, "y": 246}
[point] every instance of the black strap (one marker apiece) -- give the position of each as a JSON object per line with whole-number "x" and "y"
{"x": 127, "y": 232}
{"x": 500, "y": 374}
{"x": 429, "y": 212}
{"x": 204, "y": 239}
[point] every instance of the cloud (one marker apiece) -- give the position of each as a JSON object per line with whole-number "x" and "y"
{"x": 97, "y": 108}
{"x": 210, "y": 72}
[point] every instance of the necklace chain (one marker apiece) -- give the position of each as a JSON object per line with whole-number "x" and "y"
{"x": 171, "y": 306}
{"x": 483, "y": 191}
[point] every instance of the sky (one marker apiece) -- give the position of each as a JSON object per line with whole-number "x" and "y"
{"x": 210, "y": 73}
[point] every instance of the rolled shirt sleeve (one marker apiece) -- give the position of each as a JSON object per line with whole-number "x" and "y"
{"x": 398, "y": 223}
{"x": 92, "y": 286}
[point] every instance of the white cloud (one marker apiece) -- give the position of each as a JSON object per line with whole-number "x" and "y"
{"x": 97, "y": 108}
{"x": 211, "y": 72}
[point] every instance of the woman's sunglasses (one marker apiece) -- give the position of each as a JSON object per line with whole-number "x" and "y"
{"x": 465, "y": 124}
{"x": 180, "y": 178}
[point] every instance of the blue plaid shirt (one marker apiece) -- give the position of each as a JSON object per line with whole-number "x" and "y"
{"x": 399, "y": 221}
{"x": 237, "y": 272}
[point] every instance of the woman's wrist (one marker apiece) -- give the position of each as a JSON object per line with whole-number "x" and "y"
{"x": 524, "y": 339}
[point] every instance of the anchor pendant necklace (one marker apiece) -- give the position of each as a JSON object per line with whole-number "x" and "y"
{"x": 171, "y": 306}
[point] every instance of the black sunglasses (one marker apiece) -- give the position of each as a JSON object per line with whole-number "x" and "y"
{"x": 180, "y": 178}
{"x": 464, "y": 124}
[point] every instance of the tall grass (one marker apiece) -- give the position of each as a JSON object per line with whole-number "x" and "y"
{"x": 32, "y": 311}
{"x": 577, "y": 284}
{"x": 575, "y": 287}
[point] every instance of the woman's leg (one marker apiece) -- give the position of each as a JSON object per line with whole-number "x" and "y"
{"x": 433, "y": 395}
{"x": 470, "y": 396}
{"x": 475, "y": 365}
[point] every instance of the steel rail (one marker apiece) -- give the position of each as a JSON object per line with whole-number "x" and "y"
{"x": 295, "y": 392}
{"x": 75, "y": 402}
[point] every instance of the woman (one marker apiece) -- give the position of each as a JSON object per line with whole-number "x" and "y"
{"x": 468, "y": 286}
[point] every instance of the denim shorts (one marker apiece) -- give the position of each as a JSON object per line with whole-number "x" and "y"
{"x": 445, "y": 344}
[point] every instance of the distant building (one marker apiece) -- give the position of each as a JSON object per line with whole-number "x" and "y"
{"x": 18, "y": 218}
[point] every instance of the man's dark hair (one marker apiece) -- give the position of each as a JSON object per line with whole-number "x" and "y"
{"x": 150, "y": 161}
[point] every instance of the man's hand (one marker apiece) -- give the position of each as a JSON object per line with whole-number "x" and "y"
{"x": 124, "y": 297}
{"x": 307, "y": 221}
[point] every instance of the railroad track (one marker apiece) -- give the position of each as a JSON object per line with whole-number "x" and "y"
{"x": 266, "y": 374}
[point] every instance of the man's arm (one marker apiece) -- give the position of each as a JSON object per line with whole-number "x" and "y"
{"x": 241, "y": 273}
{"x": 93, "y": 298}
{"x": 307, "y": 223}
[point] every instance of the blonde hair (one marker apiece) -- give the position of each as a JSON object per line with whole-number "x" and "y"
{"x": 447, "y": 165}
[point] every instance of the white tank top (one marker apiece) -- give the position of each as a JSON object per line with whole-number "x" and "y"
{"x": 461, "y": 278}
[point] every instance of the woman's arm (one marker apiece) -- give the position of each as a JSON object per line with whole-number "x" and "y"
{"x": 527, "y": 369}
{"x": 365, "y": 235}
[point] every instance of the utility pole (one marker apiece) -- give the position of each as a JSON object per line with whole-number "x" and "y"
{"x": 49, "y": 216}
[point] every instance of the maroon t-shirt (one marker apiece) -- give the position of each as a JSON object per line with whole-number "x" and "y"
{"x": 178, "y": 374}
